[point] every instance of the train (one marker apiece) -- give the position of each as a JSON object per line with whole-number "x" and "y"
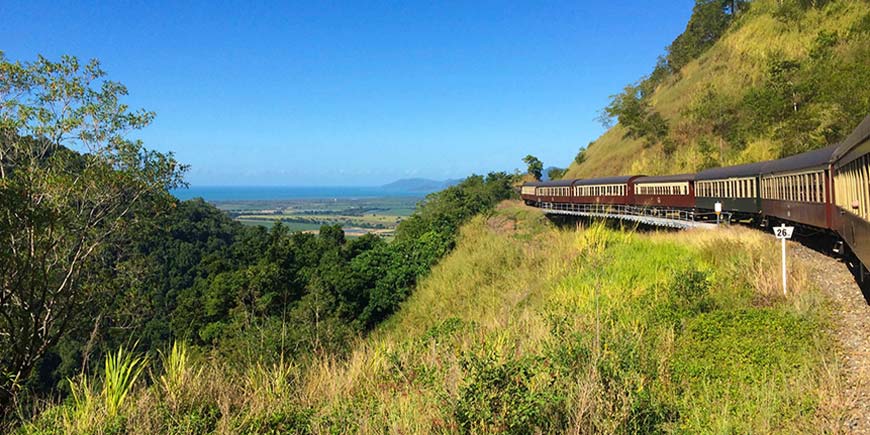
{"x": 821, "y": 191}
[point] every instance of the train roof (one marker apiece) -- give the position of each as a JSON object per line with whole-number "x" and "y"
{"x": 555, "y": 183}
{"x": 605, "y": 180}
{"x": 747, "y": 170}
{"x": 807, "y": 160}
{"x": 666, "y": 178}
{"x": 857, "y": 137}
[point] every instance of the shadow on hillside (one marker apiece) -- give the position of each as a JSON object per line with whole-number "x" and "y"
{"x": 566, "y": 221}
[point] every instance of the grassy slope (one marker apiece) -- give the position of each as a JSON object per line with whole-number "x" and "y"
{"x": 694, "y": 334}
{"x": 694, "y": 337}
{"x": 734, "y": 63}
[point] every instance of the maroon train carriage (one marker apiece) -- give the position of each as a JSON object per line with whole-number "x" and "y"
{"x": 608, "y": 190}
{"x": 554, "y": 191}
{"x": 797, "y": 189}
{"x": 527, "y": 192}
{"x": 666, "y": 191}
{"x": 851, "y": 201}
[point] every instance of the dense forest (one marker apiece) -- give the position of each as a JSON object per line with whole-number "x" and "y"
{"x": 746, "y": 81}
{"x": 98, "y": 256}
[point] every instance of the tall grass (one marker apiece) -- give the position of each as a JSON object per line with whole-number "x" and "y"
{"x": 90, "y": 407}
{"x": 122, "y": 369}
{"x": 533, "y": 329}
{"x": 179, "y": 373}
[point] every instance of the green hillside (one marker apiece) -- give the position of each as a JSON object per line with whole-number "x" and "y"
{"x": 525, "y": 328}
{"x": 782, "y": 77}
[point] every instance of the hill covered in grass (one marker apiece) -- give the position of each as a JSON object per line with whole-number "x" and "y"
{"x": 526, "y": 328}
{"x": 746, "y": 81}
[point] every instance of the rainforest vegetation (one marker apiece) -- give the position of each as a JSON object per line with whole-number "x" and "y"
{"x": 97, "y": 255}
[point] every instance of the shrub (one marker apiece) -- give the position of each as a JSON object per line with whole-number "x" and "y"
{"x": 515, "y": 397}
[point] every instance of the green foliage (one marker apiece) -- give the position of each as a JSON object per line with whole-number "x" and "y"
{"x": 581, "y": 156}
{"x": 809, "y": 103}
{"x": 709, "y": 21}
{"x": 632, "y": 109}
{"x": 555, "y": 173}
{"x": 588, "y": 331}
{"x": 73, "y": 189}
{"x": 745, "y": 344}
{"x": 287, "y": 421}
{"x": 122, "y": 369}
{"x": 179, "y": 372}
{"x": 514, "y": 396}
{"x": 535, "y": 166}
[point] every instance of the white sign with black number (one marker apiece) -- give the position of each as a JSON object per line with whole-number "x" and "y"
{"x": 783, "y": 232}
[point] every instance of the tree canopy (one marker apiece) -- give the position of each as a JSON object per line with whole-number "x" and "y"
{"x": 535, "y": 167}
{"x": 73, "y": 189}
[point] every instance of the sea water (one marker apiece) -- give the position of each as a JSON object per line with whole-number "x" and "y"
{"x": 261, "y": 193}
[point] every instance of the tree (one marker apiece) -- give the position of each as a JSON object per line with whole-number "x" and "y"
{"x": 709, "y": 21}
{"x": 581, "y": 154}
{"x": 632, "y": 109}
{"x": 535, "y": 167}
{"x": 556, "y": 173}
{"x": 73, "y": 189}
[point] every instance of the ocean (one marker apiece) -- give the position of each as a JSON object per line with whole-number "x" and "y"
{"x": 260, "y": 193}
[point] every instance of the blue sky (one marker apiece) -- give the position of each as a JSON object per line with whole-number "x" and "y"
{"x": 357, "y": 93}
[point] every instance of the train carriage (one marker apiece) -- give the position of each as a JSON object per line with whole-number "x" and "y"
{"x": 667, "y": 191}
{"x": 608, "y": 190}
{"x": 797, "y": 188}
{"x": 851, "y": 192}
{"x": 735, "y": 187}
{"x": 554, "y": 191}
{"x": 527, "y": 192}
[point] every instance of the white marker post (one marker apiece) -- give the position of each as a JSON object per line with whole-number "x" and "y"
{"x": 718, "y": 209}
{"x": 783, "y": 232}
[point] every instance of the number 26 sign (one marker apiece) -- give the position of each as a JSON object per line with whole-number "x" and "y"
{"x": 783, "y": 232}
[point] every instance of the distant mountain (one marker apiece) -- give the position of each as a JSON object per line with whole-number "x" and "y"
{"x": 419, "y": 185}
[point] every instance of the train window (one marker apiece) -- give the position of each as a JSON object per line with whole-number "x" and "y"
{"x": 806, "y": 189}
{"x": 793, "y": 185}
